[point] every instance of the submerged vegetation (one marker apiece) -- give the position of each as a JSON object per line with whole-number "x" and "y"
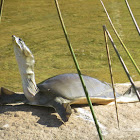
{"x": 37, "y": 23}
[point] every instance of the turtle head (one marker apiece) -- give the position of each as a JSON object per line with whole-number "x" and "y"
{"x": 21, "y": 47}
{"x": 22, "y": 52}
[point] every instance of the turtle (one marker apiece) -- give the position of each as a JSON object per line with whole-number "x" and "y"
{"x": 60, "y": 91}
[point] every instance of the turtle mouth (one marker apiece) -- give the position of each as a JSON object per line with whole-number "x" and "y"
{"x": 18, "y": 42}
{"x": 13, "y": 38}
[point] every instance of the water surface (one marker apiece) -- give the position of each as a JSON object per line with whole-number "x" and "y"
{"x": 37, "y": 23}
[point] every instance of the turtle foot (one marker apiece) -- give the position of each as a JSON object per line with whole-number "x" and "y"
{"x": 64, "y": 110}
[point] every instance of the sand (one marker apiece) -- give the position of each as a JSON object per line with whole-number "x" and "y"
{"x": 23, "y": 122}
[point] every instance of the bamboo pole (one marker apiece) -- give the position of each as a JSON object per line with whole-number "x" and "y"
{"x": 111, "y": 73}
{"x": 1, "y": 8}
{"x": 132, "y": 16}
{"x": 78, "y": 69}
{"x": 123, "y": 64}
{"x": 123, "y": 45}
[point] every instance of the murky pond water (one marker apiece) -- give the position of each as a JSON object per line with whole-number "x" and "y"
{"x": 38, "y": 25}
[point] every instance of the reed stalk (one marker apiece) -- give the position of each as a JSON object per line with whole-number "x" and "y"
{"x": 123, "y": 45}
{"x": 132, "y": 16}
{"x": 111, "y": 73}
{"x": 78, "y": 69}
{"x": 123, "y": 64}
{"x": 1, "y": 9}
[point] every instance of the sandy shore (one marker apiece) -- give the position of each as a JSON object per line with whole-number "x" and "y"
{"x": 23, "y": 122}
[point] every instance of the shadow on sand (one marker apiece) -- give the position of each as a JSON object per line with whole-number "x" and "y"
{"x": 44, "y": 113}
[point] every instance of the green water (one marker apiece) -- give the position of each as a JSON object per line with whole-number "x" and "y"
{"x": 37, "y": 23}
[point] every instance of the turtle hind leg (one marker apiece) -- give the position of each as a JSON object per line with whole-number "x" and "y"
{"x": 63, "y": 109}
{"x": 8, "y": 97}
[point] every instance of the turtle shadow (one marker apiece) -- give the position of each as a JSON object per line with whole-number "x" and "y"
{"x": 46, "y": 114}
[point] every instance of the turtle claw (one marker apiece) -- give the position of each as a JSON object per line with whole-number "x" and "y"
{"x": 64, "y": 111}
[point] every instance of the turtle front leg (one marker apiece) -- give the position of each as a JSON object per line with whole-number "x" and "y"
{"x": 8, "y": 97}
{"x": 63, "y": 109}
